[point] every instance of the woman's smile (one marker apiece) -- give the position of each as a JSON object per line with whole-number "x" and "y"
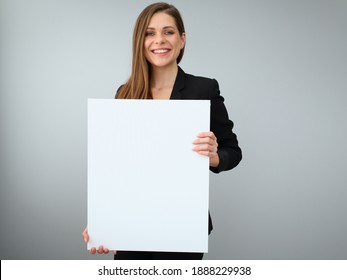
{"x": 161, "y": 51}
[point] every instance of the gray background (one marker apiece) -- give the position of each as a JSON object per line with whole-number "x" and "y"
{"x": 282, "y": 67}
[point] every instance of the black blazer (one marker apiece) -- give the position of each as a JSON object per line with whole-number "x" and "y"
{"x": 191, "y": 87}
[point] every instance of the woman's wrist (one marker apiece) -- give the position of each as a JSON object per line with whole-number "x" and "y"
{"x": 214, "y": 161}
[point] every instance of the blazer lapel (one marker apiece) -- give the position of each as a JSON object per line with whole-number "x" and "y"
{"x": 179, "y": 85}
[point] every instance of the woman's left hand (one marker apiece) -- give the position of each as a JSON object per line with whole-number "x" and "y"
{"x": 206, "y": 144}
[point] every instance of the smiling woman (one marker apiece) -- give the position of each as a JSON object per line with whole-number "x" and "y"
{"x": 148, "y": 28}
{"x": 158, "y": 45}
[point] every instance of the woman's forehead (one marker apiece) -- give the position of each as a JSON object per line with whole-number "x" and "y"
{"x": 161, "y": 20}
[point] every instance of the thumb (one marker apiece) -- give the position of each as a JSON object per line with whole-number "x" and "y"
{"x": 85, "y": 235}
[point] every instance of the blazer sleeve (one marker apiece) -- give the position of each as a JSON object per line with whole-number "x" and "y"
{"x": 229, "y": 152}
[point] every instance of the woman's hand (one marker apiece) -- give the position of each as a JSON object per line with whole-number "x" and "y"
{"x": 100, "y": 250}
{"x": 206, "y": 144}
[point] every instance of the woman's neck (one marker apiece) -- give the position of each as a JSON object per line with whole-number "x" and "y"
{"x": 162, "y": 78}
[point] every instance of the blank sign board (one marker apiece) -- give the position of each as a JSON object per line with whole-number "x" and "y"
{"x": 147, "y": 189}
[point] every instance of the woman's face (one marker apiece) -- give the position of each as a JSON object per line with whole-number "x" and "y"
{"x": 162, "y": 43}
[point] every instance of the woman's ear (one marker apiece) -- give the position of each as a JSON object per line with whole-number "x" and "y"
{"x": 183, "y": 39}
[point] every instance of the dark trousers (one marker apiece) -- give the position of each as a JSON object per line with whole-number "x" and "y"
{"x": 139, "y": 255}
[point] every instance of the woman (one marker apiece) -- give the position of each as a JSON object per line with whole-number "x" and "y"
{"x": 158, "y": 46}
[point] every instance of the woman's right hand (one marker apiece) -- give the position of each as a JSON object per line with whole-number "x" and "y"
{"x": 93, "y": 250}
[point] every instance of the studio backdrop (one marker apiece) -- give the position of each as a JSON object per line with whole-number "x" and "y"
{"x": 282, "y": 68}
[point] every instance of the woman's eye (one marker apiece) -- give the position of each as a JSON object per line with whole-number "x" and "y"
{"x": 169, "y": 33}
{"x": 149, "y": 33}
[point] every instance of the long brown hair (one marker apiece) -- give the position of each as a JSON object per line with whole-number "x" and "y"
{"x": 137, "y": 87}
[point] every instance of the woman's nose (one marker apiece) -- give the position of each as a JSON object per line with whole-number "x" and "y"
{"x": 159, "y": 39}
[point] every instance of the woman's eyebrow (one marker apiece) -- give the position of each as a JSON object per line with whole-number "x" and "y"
{"x": 165, "y": 27}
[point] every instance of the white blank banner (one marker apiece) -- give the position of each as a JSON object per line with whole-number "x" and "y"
{"x": 147, "y": 189}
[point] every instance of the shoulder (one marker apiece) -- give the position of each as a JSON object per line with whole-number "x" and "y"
{"x": 118, "y": 91}
{"x": 200, "y": 87}
{"x": 199, "y": 80}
